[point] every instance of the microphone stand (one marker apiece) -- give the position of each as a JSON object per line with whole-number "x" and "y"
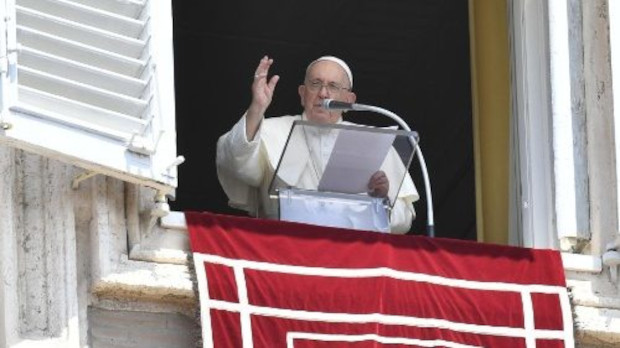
{"x": 430, "y": 226}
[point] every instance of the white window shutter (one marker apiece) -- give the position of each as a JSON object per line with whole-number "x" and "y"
{"x": 91, "y": 82}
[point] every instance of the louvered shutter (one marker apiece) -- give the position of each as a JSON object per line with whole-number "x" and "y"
{"x": 90, "y": 82}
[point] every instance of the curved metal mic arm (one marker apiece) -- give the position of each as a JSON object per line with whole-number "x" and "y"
{"x": 430, "y": 226}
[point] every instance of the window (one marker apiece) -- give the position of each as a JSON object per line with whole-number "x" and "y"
{"x": 91, "y": 83}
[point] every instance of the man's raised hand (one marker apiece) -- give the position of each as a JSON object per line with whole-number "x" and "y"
{"x": 263, "y": 86}
{"x": 262, "y": 93}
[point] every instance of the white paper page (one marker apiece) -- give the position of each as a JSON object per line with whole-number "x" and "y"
{"x": 356, "y": 156}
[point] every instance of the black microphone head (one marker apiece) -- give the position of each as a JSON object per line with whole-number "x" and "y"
{"x": 330, "y": 104}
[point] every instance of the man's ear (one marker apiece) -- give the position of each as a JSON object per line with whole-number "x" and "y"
{"x": 351, "y": 97}
{"x": 302, "y": 91}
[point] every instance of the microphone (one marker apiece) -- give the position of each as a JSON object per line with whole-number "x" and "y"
{"x": 330, "y": 104}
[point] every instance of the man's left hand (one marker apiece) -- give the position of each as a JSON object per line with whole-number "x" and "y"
{"x": 378, "y": 185}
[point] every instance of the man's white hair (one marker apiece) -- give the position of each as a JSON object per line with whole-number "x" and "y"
{"x": 336, "y": 60}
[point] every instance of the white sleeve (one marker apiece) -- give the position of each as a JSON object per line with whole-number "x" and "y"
{"x": 402, "y": 215}
{"x": 240, "y": 165}
{"x": 403, "y": 212}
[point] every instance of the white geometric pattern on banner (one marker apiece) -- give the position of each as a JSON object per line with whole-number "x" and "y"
{"x": 529, "y": 333}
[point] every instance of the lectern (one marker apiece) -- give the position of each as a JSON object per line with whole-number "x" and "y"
{"x": 324, "y": 170}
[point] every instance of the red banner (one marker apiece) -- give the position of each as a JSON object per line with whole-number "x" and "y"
{"x": 272, "y": 284}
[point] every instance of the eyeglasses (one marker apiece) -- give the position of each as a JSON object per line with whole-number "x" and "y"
{"x": 332, "y": 87}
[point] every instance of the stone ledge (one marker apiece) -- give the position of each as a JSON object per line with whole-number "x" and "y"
{"x": 159, "y": 255}
{"x": 582, "y": 263}
{"x": 597, "y": 327}
{"x": 583, "y": 294}
{"x": 167, "y": 242}
{"x": 174, "y": 220}
{"x": 138, "y": 281}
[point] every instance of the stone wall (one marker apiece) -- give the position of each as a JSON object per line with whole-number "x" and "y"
{"x": 66, "y": 265}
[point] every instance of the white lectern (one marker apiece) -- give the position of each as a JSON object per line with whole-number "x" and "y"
{"x": 324, "y": 171}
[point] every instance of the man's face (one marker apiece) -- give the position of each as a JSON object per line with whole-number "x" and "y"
{"x": 324, "y": 80}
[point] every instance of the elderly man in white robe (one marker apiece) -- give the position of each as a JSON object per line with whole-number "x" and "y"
{"x": 249, "y": 152}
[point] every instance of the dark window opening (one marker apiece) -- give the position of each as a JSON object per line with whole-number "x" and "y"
{"x": 410, "y": 57}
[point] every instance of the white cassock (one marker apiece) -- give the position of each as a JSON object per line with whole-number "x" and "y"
{"x": 245, "y": 168}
